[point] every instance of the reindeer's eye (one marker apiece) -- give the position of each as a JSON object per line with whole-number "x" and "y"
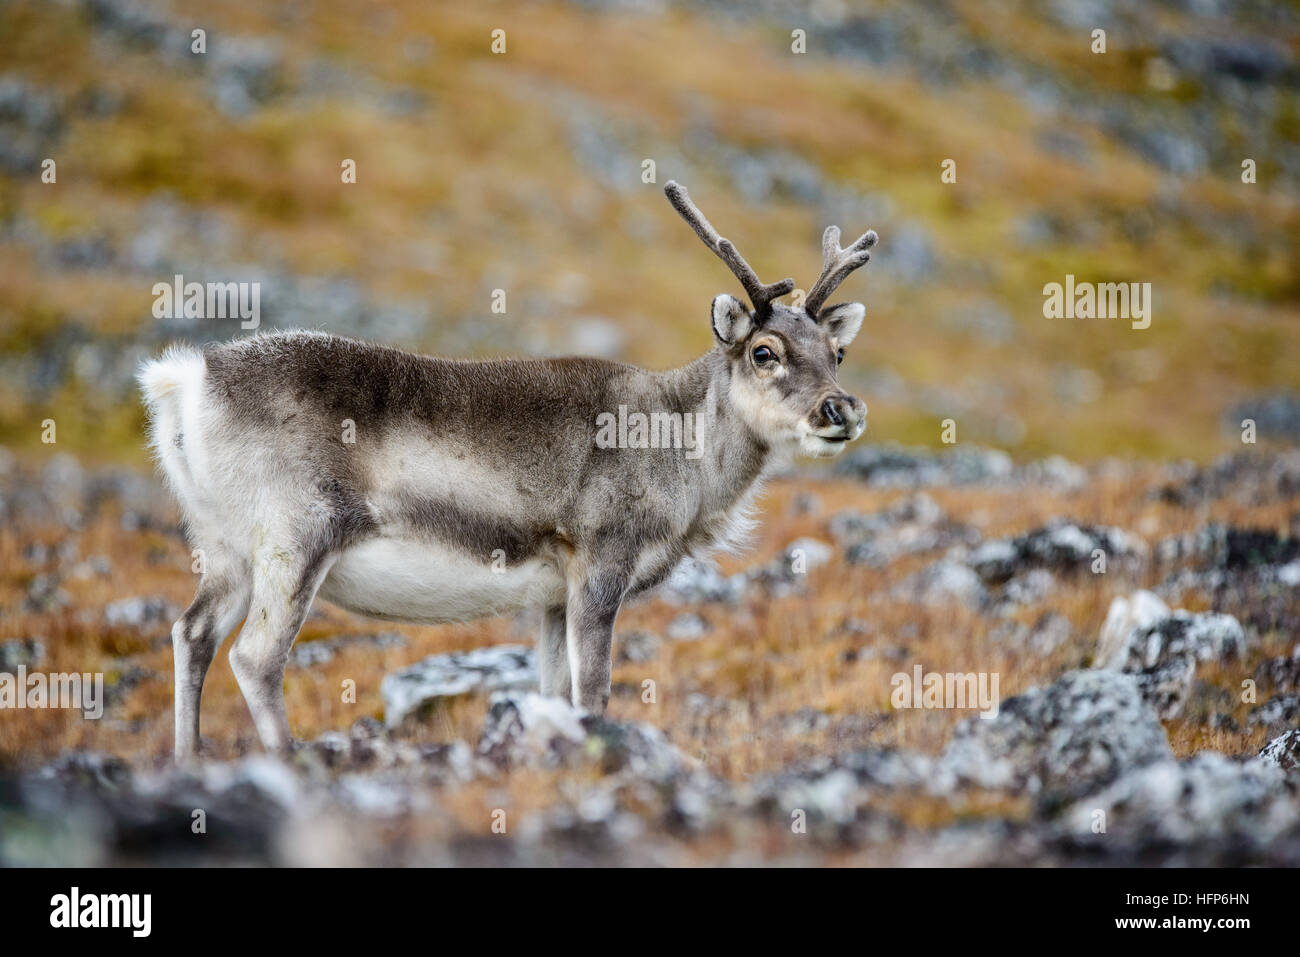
{"x": 763, "y": 355}
{"x": 839, "y": 357}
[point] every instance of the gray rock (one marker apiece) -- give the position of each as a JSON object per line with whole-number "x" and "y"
{"x": 529, "y": 730}
{"x": 788, "y": 572}
{"x": 1208, "y": 799}
{"x": 1204, "y": 636}
{"x": 416, "y": 689}
{"x": 911, "y": 526}
{"x": 246, "y": 73}
{"x": 1283, "y": 751}
{"x": 1279, "y": 713}
{"x": 687, "y": 627}
{"x": 30, "y": 123}
{"x": 1030, "y": 588}
{"x": 1248, "y": 477}
{"x": 636, "y": 646}
{"x": 1281, "y": 673}
{"x": 839, "y": 790}
{"x": 1276, "y": 415}
{"x": 120, "y": 816}
{"x": 131, "y": 22}
{"x": 1126, "y": 615}
{"x": 1060, "y": 546}
{"x": 305, "y": 654}
{"x": 1080, "y": 733}
{"x": 1163, "y": 652}
{"x": 28, "y": 652}
{"x": 44, "y": 595}
{"x": 140, "y": 613}
{"x": 593, "y": 336}
{"x": 892, "y": 466}
{"x": 1049, "y": 632}
{"x": 944, "y": 581}
{"x": 698, "y": 581}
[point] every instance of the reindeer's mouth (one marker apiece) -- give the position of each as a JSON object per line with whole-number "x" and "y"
{"x": 824, "y": 446}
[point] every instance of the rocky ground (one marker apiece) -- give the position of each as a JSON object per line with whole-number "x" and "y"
{"x": 1141, "y": 620}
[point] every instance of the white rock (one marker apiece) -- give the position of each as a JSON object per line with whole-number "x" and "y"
{"x": 1140, "y": 610}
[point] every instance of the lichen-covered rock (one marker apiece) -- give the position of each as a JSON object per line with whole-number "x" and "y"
{"x": 1279, "y": 713}
{"x": 1166, "y": 684}
{"x": 687, "y": 627}
{"x": 1205, "y": 636}
{"x": 697, "y": 581}
{"x": 1231, "y": 549}
{"x": 1050, "y": 631}
{"x": 636, "y": 646}
{"x": 1283, "y": 751}
{"x": 838, "y": 789}
{"x": 1281, "y": 673}
{"x": 1060, "y": 546}
{"x": 788, "y": 573}
{"x": 944, "y": 581}
{"x": 913, "y": 525}
{"x": 1125, "y": 615}
{"x": 28, "y": 652}
{"x": 412, "y": 690}
{"x": 530, "y": 730}
{"x": 1245, "y": 476}
{"x": 1163, "y": 648}
{"x": 896, "y": 467}
{"x": 141, "y": 613}
{"x": 87, "y": 808}
{"x": 1230, "y": 811}
{"x": 306, "y": 654}
{"x": 1079, "y": 733}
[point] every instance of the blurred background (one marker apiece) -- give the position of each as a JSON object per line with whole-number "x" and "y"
{"x": 522, "y": 171}
{"x": 526, "y": 171}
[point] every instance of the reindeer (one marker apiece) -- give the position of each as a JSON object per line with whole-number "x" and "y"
{"x": 430, "y": 490}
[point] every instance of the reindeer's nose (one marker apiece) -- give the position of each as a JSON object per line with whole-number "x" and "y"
{"x": 843, "y": 412}
{"x": 831, "y": 409}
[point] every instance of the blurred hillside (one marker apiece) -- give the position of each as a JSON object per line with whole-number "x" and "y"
{"x": 522, "y": 171}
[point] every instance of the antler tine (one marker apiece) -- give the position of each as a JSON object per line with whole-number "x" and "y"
{"x": 760, "y": 294}
{"x": 837, "y": 263}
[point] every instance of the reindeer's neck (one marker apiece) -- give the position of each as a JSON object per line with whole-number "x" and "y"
{"x": 734, "y": 457}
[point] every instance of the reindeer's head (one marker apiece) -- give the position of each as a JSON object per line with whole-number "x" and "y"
{"x": 784, "y": 359}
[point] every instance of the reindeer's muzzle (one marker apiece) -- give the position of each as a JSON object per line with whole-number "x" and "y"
{"x": 840, "y": 418}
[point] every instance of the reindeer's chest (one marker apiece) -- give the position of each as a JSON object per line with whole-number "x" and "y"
{"x": 709, "y": 531}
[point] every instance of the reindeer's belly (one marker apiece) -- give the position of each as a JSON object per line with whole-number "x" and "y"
{"x": 419, "y": 581}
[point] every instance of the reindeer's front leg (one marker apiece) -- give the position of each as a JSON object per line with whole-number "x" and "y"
{"x": 595, "y": 594}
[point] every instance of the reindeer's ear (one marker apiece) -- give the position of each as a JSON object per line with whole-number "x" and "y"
{"x": 732, "y": 321}
{"x": 842, "y": 320}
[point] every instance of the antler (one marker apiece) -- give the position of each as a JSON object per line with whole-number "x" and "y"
{"x": 837, "y": 263}
{"x": 760, "y": 294}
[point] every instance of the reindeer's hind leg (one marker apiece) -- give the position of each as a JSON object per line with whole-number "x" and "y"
{"x": 552, "y": 658}
{"x": 284, "y": 583}
{"x": 219, "y": 604}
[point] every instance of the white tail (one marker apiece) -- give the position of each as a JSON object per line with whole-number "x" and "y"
{"x": 171, "y": 385}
